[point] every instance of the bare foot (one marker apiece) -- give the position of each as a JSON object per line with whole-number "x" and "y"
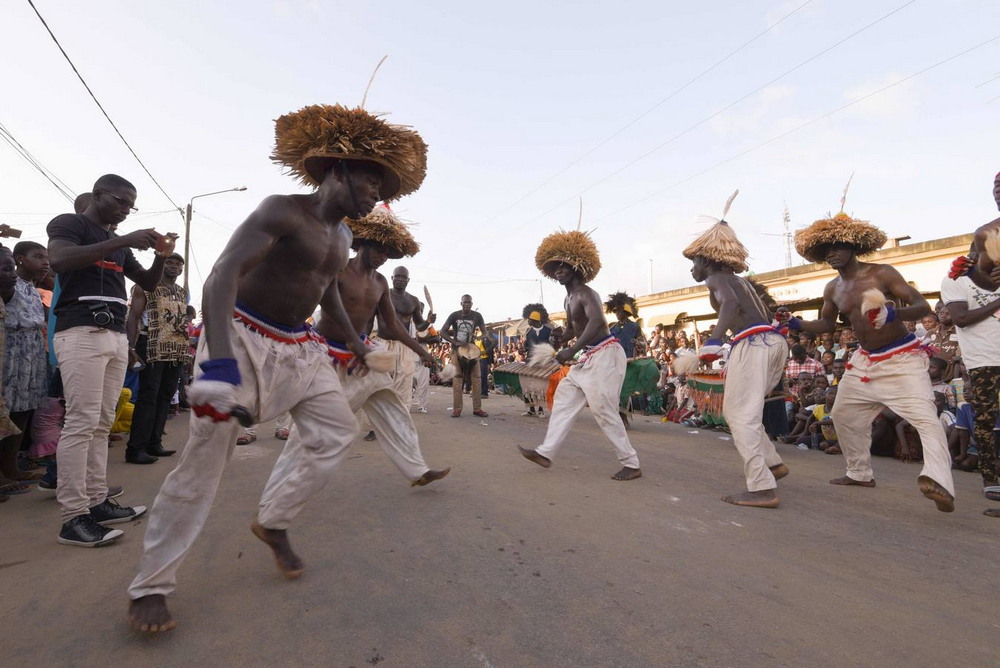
{"x": 851, "y": 481}
{"x": 544, "y": 462}
{"x": 627, "y": 473}
{"x": 430, "y": 477}
{"x": 277, "y": 539}
{"x": 944, "y": 501}
{"x": 779, "y": 471}
{"x": 149, "y": 614}
{"x": 765, "y": 498}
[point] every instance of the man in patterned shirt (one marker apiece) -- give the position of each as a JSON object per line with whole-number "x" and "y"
{"x": 163, "y": 352}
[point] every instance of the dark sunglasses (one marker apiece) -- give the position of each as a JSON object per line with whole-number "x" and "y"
{"x": 121, "y": 201}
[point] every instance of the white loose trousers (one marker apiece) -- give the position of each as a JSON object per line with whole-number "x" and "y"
{"x": 755, "y": 366}
{"x": 597, "y": 381}
{"x": 902, "y": 384}
{"x": 276, "y": 377}
{"x": 376, "y": 396}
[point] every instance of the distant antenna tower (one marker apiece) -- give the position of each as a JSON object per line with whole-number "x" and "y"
{"x": 788, "y": 236}
{"x": 787, "y": 218}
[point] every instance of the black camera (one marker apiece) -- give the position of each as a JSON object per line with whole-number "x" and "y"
{"x": 102, "y": 314}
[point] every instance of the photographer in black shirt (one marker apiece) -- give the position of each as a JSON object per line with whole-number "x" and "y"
{"x": 90, "y": 344}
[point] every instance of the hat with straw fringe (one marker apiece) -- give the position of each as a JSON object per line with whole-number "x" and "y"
{"x": 309, "y": 141}
{"x": 382, "y": 227}
{"x": 574, "y": 248}
{"x": 620, "y": 300}
{"x": 719, "y": 243}
{"x": 813, "y": 241}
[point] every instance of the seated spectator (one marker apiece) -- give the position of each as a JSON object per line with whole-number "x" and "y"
{"x": 847, "y": 338}
{"x": 826, "y": 359}
{"x": 936, "y": 369}
{"x": 827, "y": 344}
{"x": 930, "y": 325}
{"x": 838, "y": 368}
{"x": 819, "y": 432}
{"x": 800, "y": 362}
{"x": 967, "y": 458}
{"x": 808, "y": 341}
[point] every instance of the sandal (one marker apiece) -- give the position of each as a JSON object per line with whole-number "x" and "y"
{"x": 13, "y": 487}
{"x": 480, "y": 413}
{"x": 992, "y": 492}
{"x": 246, "y": 439}
{"x": 456, "y": 413}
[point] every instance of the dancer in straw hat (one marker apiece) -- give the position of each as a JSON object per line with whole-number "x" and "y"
{"x": 596, "y": 379}
{"x": 756, "y": 359}
{"x": 364, "y": 293}
{"x": 258, "y": 358}
{"x": 890, "y": 368}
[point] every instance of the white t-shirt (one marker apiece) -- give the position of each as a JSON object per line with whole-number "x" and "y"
{"x": 978, "y": 342}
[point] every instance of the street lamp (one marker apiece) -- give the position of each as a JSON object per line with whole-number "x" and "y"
{"x": 187, "y": 228}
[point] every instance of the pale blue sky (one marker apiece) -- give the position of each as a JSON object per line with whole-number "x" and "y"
{"x": 507, "y": 96}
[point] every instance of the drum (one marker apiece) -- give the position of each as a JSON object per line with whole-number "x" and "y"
{"x": 641, "y": 376}
{"x": 468, "y": 356}
{"x": 707, "y": 389}
{"x": 526, "y": 381}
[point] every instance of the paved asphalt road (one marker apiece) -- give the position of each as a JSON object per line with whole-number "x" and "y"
{"x": 507, "y": 564}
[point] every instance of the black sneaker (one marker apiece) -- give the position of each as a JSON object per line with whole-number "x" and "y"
{"x": 83, "y": 531}
{"x": 110, "y": 512}
{"x": 114, "y": 491}
{"x": 45, "y": 484}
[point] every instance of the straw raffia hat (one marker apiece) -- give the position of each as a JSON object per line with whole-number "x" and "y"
{"x": 308, "y": 140}
{"x": 574, "y": 248}
{"x": 382, "y": 227}
{"x": 719, "y": 243}
{"x": 810, "y": 242}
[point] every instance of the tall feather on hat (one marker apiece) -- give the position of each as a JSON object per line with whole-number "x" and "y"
{"x": 620, "y": 300}
{"x": 813, "y": 242}
{"x": 311, "y": 139}
{"x": 718, "y": 243}
{"x": 574, "y": 248}
{"x": 382, "y": 227}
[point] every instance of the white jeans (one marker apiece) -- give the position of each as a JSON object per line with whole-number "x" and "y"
{"x": 597, "y": 381}
{"x": 277, "y": 377}
{"x": 375, "y": 396}
{"x": 900, "y": 383}
{"x": 92, "y": 362}
{"x": 755, "y": 366}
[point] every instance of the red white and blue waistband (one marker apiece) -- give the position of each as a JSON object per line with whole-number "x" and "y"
{"x": 606, "y": 342}
{"x": 339, "y": 351}
{"x": 751, "y": 331}
{"x": 273, "y": 330}
{"x": 907, "y": 344}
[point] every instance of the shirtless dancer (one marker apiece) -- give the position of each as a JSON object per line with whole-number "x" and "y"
{"x": 756, "y": 359}
{"x": 889, "y": 369}
{"x": 596, "y": 379}
{"x": 364, "y": 293}
{"x": 407, "y": 308}
{"x": 258, "y": 358}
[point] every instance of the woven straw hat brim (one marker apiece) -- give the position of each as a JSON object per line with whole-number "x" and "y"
{"x": 308, "y": 140}
{"x": 574, "y": 248}
{"x": 719, "y": 244}
{"x": 382, "y": 227}
{"x": 812, "y": 242}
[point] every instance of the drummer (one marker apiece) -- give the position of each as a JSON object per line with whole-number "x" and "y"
{"x": 596, "y": 378}
{"x": 756, "y": 360}
{"x": 460, "y": 331}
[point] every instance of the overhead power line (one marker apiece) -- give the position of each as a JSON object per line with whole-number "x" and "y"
{"x": 647, "y": 112}
{"x": 782, "y": 135}
{"x": 100, "y": 106}
{"x": 717, "y": 113}
{"x": 63, "y": 189}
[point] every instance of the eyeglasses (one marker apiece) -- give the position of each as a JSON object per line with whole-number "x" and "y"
{"x": 124, "y": 203}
